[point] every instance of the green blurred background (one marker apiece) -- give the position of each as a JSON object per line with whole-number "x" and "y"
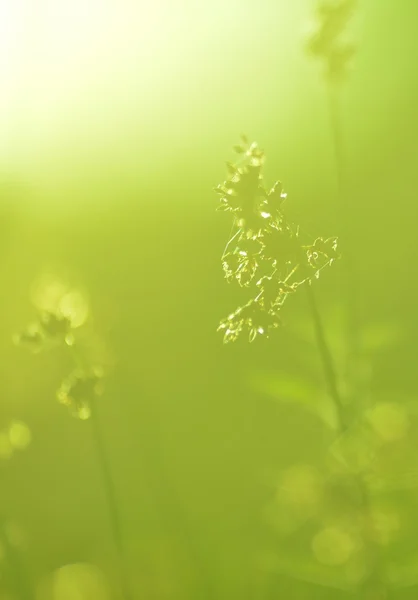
{"x": 116, "y": 118}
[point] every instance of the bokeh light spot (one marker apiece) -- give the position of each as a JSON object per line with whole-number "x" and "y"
{"x": 74, "y": 307}
{"x": 79, "y": 581}
{"x": 389, "y": 421}
{"x": 20, "y": 435}
{"x": 333, "y": 546}
{"x": 301, "y": 488}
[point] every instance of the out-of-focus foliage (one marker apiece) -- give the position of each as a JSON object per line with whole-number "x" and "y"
{"x": 327, "y": 43}
{"x": 78, "y": 389}
{"x": 62, "y": 310}
{"x": 350, "y": 504}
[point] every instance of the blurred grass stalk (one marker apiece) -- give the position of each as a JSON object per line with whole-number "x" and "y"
{"x": 109, "y": 487}
{"x": 372, "y": 586}
{"x": 111, "y": 500}
{"x": 348, "y": 278}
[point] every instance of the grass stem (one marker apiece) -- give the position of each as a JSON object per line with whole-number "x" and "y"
{"x": 108, "y": 482}
{"x": 111, "y": 499}
{"x": 326, "y": 357}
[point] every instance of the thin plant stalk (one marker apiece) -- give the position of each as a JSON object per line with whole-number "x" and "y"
{"x": 337, "y": 137}
{"x": 351, "y": 324}
{"x": 111, "y": 498}
{"x": 326, "y": 358}
{"x": 347, "y": 273}
{"x": 371, "y": 588}
{"x": 108, "y": 485}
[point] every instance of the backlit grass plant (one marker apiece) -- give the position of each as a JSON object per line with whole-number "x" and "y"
{"x": 265, "y": 253}
{"x": 342, "y": 509}
{"x": 328, "y": 43}
{"x": 266, "y": 256}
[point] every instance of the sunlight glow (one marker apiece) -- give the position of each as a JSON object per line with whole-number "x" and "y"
{"x": 80, "y": 580}
{"x": 11, "y": 36}
{"x": 100, "y": 86}
{"x": 333, "y": 546}
{"x": 301, "y": 488}
{"x": 20, "y": 435}
{"x": 58, "y": 58}
{"x": 389, "y": 421}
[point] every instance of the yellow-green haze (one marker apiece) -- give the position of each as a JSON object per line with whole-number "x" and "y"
{"x": 116, "y": 119}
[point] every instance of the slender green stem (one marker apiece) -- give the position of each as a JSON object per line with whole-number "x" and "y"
{"x": 347, "y": 272}
{"x": 326, "y": 357}
{"x": 20, "y": 580}
{"x": 337, "y": 138}
{"x": 108, "y": 483}
{"x": 372, "y": 587}
{"x": 231, "y": 239}
{"x": 110, "y": 493}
